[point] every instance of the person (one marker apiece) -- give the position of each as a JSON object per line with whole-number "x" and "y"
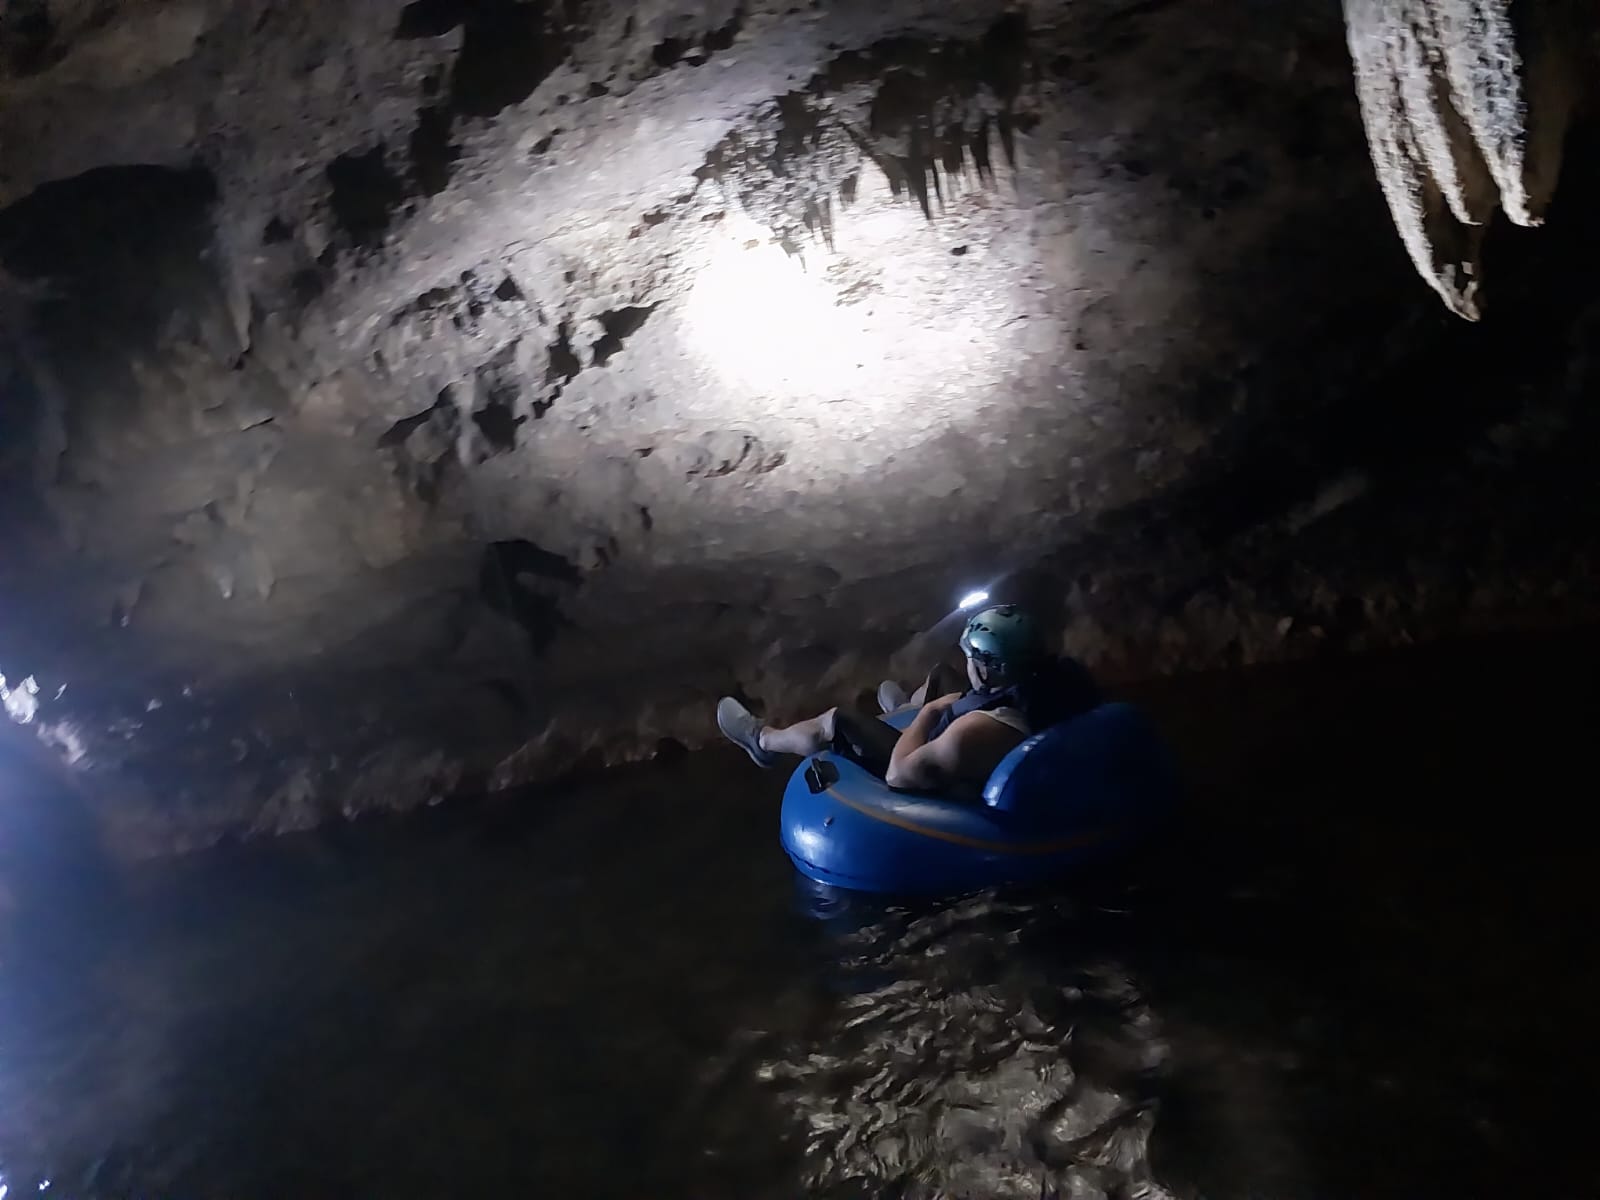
{"x": 956, "y": 739}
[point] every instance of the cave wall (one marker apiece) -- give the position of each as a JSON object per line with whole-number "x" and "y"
{"x": 410, "y": 399}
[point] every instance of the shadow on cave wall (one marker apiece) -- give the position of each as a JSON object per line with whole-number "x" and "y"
{"x": 516, "y": 578}
{"x": 98, "y": 226}
{"x": 1467, "y": 448}
{"x": 112, "y": 255}
{"x": 1418, "y": 387}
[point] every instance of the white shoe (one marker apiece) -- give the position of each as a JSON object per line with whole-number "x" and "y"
{"x": 743, "y": 730}
{"x": 891, "y": 696}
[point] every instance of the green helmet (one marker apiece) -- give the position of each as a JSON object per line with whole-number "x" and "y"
{"x": 1003, "y": 635}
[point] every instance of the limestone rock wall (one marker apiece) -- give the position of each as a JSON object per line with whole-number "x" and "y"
{"x": 403, "y": 400}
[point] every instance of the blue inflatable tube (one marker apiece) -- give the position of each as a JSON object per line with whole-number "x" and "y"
{"x": 1066, "y": 798}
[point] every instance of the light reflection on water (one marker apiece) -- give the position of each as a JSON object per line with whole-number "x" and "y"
{"x": 942, "y": 1049}
{"x": 963, "y": 1062}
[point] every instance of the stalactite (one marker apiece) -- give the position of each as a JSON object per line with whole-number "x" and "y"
{"x": 1465, "y": 103}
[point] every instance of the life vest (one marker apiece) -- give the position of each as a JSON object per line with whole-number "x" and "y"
{"x": 1059, "y": 690}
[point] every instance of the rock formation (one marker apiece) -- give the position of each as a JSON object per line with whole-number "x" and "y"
{"x": 1465, "y": 103}
{"x": 403, "y": 400}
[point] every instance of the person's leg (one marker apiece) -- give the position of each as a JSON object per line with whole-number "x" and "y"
{"x": 941, "y": 681}
{"x": 858, "y": 735}
{"x": 864, "y": 739}
{"x": 847, "y": 730}
{"x": 803, "y": 737}
{"x": 763, "y": 743}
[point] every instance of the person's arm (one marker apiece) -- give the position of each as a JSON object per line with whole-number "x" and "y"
{"x": 965, "y": 753}
{"x": 915, "y": 735}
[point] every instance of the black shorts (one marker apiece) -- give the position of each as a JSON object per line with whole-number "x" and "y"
{"x": 867, "y": 740}
{"x": 864, "y": 739}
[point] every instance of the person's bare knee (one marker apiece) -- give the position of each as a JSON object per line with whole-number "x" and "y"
{"x": 826, "y": 725}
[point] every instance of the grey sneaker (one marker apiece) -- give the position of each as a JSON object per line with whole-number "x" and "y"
{"x": 740, "y": 726}
{"x": 891, "y": 696}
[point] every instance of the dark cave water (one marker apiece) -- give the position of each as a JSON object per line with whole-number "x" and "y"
{"x": 1363, "y": 968}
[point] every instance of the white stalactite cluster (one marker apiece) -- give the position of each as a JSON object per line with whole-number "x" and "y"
{"x": 1465, "y": 103}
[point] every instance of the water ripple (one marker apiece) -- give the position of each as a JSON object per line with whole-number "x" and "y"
{"x": 950, "y": 1053}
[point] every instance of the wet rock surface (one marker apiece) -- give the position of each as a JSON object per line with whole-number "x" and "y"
{"x": 404, "y": 401}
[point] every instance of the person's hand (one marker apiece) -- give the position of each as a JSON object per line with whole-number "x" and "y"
{"x": 942, "y": 703}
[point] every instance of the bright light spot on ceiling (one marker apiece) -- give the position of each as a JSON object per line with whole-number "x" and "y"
{"x": 861, "y": 354}
{"x": 768, "y": 323}
{"x": 21, "y": 702}
{"x": 973, "y": 599}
